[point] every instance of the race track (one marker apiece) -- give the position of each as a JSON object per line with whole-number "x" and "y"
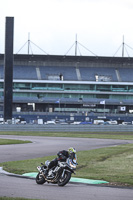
{"x": 19, "y": 187}
{"x": 42, "y": 146}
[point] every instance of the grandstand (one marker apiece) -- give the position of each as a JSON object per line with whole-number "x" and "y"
{"x": 70, "y": 87}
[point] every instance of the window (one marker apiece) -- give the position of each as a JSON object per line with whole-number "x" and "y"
{"x": 103, "y": 87}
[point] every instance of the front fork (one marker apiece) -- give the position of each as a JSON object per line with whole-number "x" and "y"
{"x": 41, "y": 171}
{"x": 63, "y": 173}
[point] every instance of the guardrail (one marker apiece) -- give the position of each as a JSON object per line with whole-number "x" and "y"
{"x": 66, "y": 128}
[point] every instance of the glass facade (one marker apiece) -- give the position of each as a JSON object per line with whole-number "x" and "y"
{"x": 73, "y": 90}
{"x": 73, "y": 96}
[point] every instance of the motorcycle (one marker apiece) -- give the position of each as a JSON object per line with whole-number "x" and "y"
{"x": 60, "y": 174}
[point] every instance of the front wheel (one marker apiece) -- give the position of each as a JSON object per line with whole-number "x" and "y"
{"x": 40, "y": 179}
{"x": 63, "y": 181}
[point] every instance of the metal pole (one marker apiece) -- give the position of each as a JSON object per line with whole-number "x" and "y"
{"x": 123, "y": 47}
{"x": 8, "y": 68}
{"x": 76, "y": 46}
{"x": 28, "y": 43}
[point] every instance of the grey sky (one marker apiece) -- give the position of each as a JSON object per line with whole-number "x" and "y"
{"x": 53, "y": 25}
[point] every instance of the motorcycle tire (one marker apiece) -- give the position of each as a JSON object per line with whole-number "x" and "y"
{"x": 65, "y": 180}
{"x": 40, "y": 179}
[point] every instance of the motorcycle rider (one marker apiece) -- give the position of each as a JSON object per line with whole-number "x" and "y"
{"x": 62, "y": 156}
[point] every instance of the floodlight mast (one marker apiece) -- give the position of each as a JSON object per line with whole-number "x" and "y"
{"x": 8, "y": 68}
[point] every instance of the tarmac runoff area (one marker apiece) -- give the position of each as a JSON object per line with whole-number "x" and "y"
{"x": 32, "y": 175}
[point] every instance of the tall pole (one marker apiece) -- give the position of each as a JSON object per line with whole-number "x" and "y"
{"x": 8, "y": 68}
{"x": 28, "y": 43}
{"x": 123, "y": 47}
{"x": 76, "y": 46}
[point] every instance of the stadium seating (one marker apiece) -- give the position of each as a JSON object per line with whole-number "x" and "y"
{"x": 126, "y": 74}
{"x": 88, "y": 73}
{"x": 25, "y": 72}
{"x": 70, "y": 73}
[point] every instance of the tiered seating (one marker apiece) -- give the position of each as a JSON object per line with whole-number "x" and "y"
{"x": 126, "y": 74}
{"x": 24, "y": 72}
{"x": 88, "y": 73}
{"x": 69, "y": 73}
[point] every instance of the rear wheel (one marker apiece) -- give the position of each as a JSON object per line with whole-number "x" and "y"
{"x": 63, "y": 181}
{"x": 40, "y": 179}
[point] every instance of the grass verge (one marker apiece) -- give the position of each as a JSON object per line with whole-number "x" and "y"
{"x": 10, "y": 141}
{"x": 105, "y": 135}
{"x": 112, "y": 164}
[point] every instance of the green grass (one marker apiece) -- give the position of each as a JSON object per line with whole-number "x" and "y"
{"x": 112, "y": 164}
{"x": 24, "y": 166}
{"x": 10, "y": 141}
{"x": 105, "y": 135}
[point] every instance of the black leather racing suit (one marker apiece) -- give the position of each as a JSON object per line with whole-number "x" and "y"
{"x": 62, "y": 156}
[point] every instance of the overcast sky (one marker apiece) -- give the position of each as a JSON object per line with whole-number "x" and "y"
{"x": 53, "y": 25}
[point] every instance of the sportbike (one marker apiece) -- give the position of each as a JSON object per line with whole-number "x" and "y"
{"x": 60, "y": 174}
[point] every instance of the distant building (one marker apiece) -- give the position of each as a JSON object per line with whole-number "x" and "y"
{"x": 77, "y": 83}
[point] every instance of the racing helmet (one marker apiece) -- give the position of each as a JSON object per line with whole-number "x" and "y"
{"x": 71, "y": 150}
{"x": 72, "y": 154}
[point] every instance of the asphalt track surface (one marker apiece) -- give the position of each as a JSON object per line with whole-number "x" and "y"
{"x": 20, "y": 187}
